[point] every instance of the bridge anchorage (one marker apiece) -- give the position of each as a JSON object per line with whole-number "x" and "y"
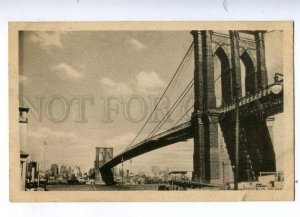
{"x": 255, "y": 99}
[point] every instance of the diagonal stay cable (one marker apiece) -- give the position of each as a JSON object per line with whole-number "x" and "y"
{"x": 221, "y": 75}
{"x": 183, "y": 116}
{"x": 172, "y": 109}
{"x": 157, "y": 127}
{"x": 192, "y": 106}
{"x": 178, "y": 69}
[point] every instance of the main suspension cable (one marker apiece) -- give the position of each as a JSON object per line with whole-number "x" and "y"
{"x": 172, "y": 109}
{"x": 178, "y": 69}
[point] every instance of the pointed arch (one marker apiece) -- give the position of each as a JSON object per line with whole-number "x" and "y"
{"x": 226, "y": 77}
{"x": 250, "y": 53}
{"x": 250, "y": 78}
{"x": 222, "y": 46}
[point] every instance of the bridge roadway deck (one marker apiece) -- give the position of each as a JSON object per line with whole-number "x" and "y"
{"x": 171, "y": 136}
{"x": 264, "y": 103}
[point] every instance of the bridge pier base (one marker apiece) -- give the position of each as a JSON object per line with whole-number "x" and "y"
{"x": 199, "y": 157}
{"x": 207, "y": 164}
{"x": 215, "y": 155}
{"x": 107, "y": 176}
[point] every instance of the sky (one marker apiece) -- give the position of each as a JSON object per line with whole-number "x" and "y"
{"x": 110, "y": 70}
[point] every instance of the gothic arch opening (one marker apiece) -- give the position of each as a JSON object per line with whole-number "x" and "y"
{"x": 223, "y": 80}
{"x": 250, "y": 78}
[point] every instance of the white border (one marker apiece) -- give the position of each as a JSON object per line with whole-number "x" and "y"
{"x": 83, "y": 10}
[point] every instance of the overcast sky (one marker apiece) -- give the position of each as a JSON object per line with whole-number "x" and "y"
{"x": 102, "y": 65}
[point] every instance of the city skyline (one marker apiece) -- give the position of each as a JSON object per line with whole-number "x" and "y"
{"x": 69, "y": 64}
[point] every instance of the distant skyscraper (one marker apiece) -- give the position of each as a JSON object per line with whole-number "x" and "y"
{"x": 54, "y": 169}
{"x": 63, "y": 171}
{"x": 70, "y": 171}
{"x": 44, "y": 156}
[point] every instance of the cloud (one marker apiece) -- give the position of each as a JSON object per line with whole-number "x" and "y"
{"x": 66, "y": 71}
{"x": 137, "y": 44}
{"x": 115, "y": 88}
{"x": 149, "y": 82}
{"x": 47, "y": 40}
{"x": 23, "y": 80}
{"x": 146, "y": 82}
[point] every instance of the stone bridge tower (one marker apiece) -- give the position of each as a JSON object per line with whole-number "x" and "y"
{"x": 256, "y": 148}
{"x": 103, "y": 155}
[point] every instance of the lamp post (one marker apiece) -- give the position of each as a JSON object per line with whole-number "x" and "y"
{"x": 223, "y": 173}
{"x": 237, "y": 140}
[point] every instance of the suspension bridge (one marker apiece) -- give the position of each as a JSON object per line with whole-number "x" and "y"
{"x": 199, "y": 115}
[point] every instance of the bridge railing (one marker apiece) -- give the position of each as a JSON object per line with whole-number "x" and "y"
{"x": 247, "y": 99}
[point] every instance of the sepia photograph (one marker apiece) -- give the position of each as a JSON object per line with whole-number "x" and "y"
{"x": 151, "y": 111}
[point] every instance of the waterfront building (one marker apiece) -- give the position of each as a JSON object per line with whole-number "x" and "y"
{"x": 24, "y": 156}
